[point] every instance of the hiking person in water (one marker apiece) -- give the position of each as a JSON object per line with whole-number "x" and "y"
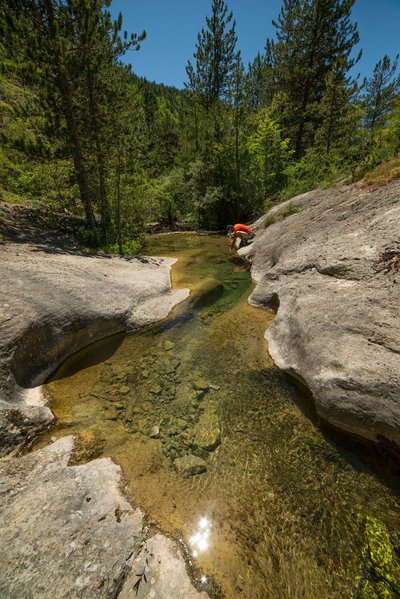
{"x": 241, "y": 232}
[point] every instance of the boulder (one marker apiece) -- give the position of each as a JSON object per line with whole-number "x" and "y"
{"x": 62, "y": 536}
{"x": 165, "y": 572}
{"x": 329, "y": 273}
{"x": 68, "y": 531}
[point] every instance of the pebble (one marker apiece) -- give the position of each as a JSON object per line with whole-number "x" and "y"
{"x": 156, "y": 389}
{"x": 201, "y": 384}
{"x": 123, "y": 390}
{"x": 155, "y": 432}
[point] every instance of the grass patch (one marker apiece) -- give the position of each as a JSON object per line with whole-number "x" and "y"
{"x": 285, "y": 211}
{"x": 384, "y": 173}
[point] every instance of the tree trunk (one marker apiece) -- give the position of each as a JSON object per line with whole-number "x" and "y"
{"x": 104, "y": 206}
{"x": 74, "y": 139}
{"x": 118, "y": 175}
{"x": 237, "y": 166}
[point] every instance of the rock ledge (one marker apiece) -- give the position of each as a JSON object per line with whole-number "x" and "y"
{"x": 324, "y": 270}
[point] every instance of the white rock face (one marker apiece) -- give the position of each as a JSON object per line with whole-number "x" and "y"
{"x": 337, "y": 326}
{"x": 66, "y": 531}
{"x": 53, "y": 303}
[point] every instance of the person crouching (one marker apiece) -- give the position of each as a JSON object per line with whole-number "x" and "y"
{"x": 241, "y": 232}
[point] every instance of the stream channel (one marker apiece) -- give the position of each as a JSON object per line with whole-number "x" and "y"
{"x": 282, "y": 511}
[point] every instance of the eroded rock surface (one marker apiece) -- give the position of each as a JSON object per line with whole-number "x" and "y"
{"x": 165, "y": 571}
{"x": 62, "y": 534}
{"x": 68, "y": 531}
{"x": 207, "y": 432}
{"x": 53, "y": 302}
{"x": 329, "y": 272}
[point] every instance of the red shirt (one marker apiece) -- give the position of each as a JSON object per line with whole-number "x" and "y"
{"x": 242, "y": 228}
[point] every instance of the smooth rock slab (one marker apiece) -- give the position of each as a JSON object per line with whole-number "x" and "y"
{"x": 68, "y": 532}
{"x": 65, "y": 531}
{"x": 53, "y": 303}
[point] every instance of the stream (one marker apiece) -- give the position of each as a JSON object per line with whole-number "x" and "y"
{"x": 282, "y": 510}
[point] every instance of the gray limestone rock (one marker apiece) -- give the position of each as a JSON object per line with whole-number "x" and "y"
{"x": 62, "y": 535}
{"x": 166, "y": 576}
{"x": 337, "y": 327}
{"x": 68, "y": 531}
{"x": 53, "y": 303}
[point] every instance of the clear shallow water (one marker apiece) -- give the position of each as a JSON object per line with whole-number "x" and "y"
{"x": 280, "y": 511}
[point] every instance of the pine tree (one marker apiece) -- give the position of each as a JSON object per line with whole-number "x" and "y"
{"x": 339, "y": 116}
{"x": 379, "y": 93}
{"x": 212, "y": 80}
{"x": 238, "y": 101}
{"x": 313, "y": 36}
{"x": 74, "y": 46}
{"x": 215, "y": 56}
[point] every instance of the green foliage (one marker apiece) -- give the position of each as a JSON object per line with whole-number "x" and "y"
{"x": 379, "y": 93}
{"x": 286, "y": 210}
{"x": 315, "y": 38}
{"x": 129, "y": 247}
{"x": 82, "y": 134}
{"x": 269, "y": 156}
{"x": 89, "y": 237}
{"x": 384, "y": 173}
{"x": 215, "y": 56}
{"x": 315, "y": 169}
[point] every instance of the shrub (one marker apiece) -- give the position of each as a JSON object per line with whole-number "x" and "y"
{"x": 285, "y": 211}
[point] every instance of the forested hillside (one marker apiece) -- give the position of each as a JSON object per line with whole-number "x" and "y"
{"x": 81, "y": 133}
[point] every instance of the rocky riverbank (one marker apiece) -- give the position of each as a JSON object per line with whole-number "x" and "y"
{"x": 329, "y": 264}
{"x": 70, "y": 530}
{"x": 54, "y": 302}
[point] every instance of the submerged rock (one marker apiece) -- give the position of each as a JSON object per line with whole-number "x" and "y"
{"x": 200, "y": 385}
{"x": 207, "y": 432}
{"x": 168, "y": 345}
{"x": 155, "y": 432}
{"x": 124, "y": 390}
{"x": 206, "y": 293}
{"x": 189, "y": 465}
{"x": 381, "y": 567}
{"x": 155, "y": 389}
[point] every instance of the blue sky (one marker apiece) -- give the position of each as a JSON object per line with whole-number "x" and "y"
{"x": 172, "y": 27}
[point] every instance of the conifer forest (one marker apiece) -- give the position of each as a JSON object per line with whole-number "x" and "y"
{"x": 82, "y": 134}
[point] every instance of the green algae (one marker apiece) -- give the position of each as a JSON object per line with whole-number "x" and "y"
{"x": 381, "y": 569}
